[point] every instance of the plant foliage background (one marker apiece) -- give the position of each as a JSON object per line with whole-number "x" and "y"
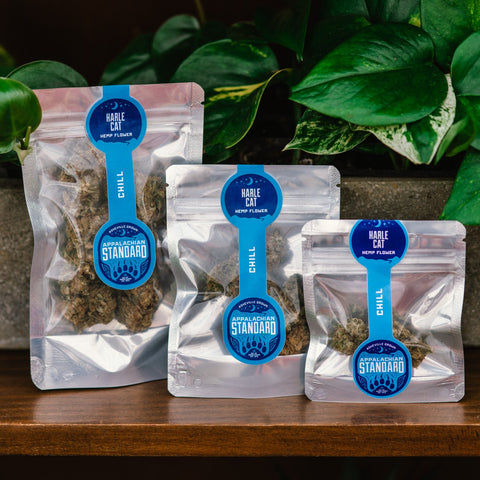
{"x": 403, "y": 72}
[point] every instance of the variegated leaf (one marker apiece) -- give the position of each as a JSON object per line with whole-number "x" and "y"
{"x": 321, "y": 135}
{"x": 419, "y": 141}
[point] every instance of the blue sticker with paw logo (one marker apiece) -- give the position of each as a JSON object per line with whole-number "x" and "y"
{"x": 253, "y": 322}
{"x": 382, "y": 366}
{"x": 124, "y": 248}
{"x": 123, "y": 252}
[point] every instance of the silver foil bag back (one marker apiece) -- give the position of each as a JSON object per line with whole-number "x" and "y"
{"x": 83, "y": 332}
{"x": 203, "y": 248}
{"x": 427, "y": 288}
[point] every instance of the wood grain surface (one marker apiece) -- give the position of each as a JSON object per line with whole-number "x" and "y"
{"x": 145, "y": 420}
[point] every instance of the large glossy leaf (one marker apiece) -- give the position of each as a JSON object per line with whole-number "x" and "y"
{"x": 48, "y": 74}
{"x": 286, "y": 25}
{"x": 382, "y": 75}
{"x": 19, "y": 111}
{"x": 234, "y": 76}
{"x": 419, "y": 141}
{"x": 133, "y": 66}
{"x": 464, "y": 201}
{"x": 466, "y": 66}
{"x": 449, "y": 22}
{"x": 174, "y": 41}
{"x": 227, "y": 63}
{"x": 375, "y": 10}
{"x": 328, "y": 34}
{"x": 321, "y": 135}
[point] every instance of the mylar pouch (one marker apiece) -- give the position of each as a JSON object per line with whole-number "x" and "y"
{"x": 426, "y": 288}
{"x": 204, "y": 250}
{"x": 84, "y": 331}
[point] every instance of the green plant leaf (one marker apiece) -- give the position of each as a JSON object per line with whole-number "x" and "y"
{"x": 328, "y": 34}
{"x": 217, "y": 153}
{"x": 234, "y": 76}
{"x": 174, "y": 41}
{"x": 321, "y": 135}
{"x": 245, "y": 32}
{"x": 472, "y": 108}
{"x": 393, "y": 10}
{"x": 474, "y": 104}
{"x": 134, "y": 65}
{"x": 383, "y": 75}
{"x": 466, "y": 66}
{"x": 10, "y": 157}
{"x": 465, "y": 130}
{"x": 6, "y": 144}
{"x": 48, "y": 74}
{"x": 420, "y": 140}
{"x": 464, "y": 201}
{"x": 375, "y": 10}
{"x": 19, "y": 111}
{"x": 286, "y": 25}
{"x": 449, "y": 22}
{"x": 7, "y": 63}
{"x": 226, "y": 63}
{"x": 457, "y": 139}
{"x": 231, "y": 111}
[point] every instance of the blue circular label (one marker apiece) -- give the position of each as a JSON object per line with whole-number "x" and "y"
{"x": 116, "y": 120}
{"x": 252, "y": 330}
{"x": 379, "y": 240}
{"x": 382, "y": 368}
{"x": 251, "y": 196}
{"x": 123, "y": 256}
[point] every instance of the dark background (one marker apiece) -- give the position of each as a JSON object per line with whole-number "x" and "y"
{"x": 88, "y": 34}
{"x": 151, "y": 468}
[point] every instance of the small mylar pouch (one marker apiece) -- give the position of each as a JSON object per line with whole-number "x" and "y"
{"x": 102, "y": 290}
{"x": 384, "y": 300}
{"x": 234, "y": 237}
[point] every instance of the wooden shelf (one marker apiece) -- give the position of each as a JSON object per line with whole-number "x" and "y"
{"x": 145, "y": 420}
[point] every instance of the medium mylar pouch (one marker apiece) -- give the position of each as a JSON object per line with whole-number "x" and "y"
{"x": 384, "y": 301}
{"x": 102, "y": 289}
{"x": 234, "y": 237}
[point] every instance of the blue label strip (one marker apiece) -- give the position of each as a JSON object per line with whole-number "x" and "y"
{"x": 381, "y": 364}
{"x": 253, "y": 323}
{"x": 124, "y": 248}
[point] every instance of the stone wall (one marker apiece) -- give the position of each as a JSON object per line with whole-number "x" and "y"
{"x": 403, "y": 199}
{"x": 16, "y": 250}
